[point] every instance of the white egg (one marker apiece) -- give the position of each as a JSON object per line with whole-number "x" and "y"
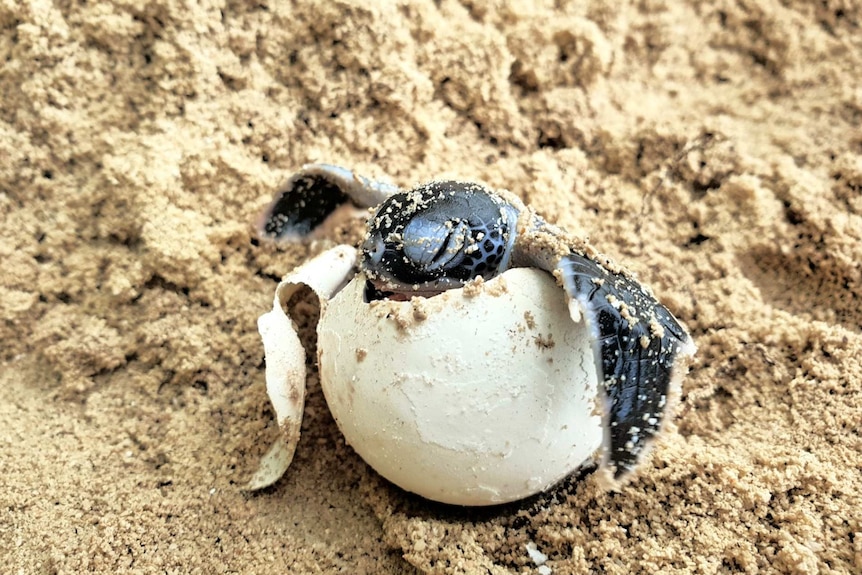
{"x": 476, "y": 396}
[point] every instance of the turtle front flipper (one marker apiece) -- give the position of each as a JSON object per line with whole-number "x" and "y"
{"x": 314, "y": 193}
{"x": 641, "y": 349}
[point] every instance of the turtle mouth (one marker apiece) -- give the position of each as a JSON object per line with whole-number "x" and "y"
{"x": 372, "y": 293}
{"x": 380, "y": 288}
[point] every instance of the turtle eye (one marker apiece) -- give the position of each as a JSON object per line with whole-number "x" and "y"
{"x": 373, "y": 249}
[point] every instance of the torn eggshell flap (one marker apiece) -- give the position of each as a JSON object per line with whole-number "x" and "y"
{"x": 285, "y": 356}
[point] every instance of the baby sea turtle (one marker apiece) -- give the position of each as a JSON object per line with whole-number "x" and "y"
{"x": 443, "y": 235}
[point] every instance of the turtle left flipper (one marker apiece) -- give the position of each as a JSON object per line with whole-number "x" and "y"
{"x": 314, "y": 193}
{"x": 640, "y": 347}
{"x": 641, "y": 350}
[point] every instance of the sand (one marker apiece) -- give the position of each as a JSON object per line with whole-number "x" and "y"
{"x": 712, "y": 147}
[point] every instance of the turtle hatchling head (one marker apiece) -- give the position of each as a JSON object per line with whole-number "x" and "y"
{"x": 438, "y": 236}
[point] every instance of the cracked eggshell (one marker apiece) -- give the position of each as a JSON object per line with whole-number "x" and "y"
{"x": 477, "y": 396}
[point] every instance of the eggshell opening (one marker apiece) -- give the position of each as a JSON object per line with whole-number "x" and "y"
{"x": 477, "y": 396}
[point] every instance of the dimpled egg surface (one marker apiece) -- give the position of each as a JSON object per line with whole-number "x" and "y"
{"x": 477, "y": 396}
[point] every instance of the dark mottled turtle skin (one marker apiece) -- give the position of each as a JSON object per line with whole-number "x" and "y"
{"x": 442, "y": 234}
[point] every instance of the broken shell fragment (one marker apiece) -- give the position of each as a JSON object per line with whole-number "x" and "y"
{"x": 285, "y": 356}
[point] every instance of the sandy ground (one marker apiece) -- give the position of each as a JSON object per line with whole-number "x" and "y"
{"x": 713, "y": 147}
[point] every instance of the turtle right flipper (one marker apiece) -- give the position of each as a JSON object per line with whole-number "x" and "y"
{"x": 314, "y": 193}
